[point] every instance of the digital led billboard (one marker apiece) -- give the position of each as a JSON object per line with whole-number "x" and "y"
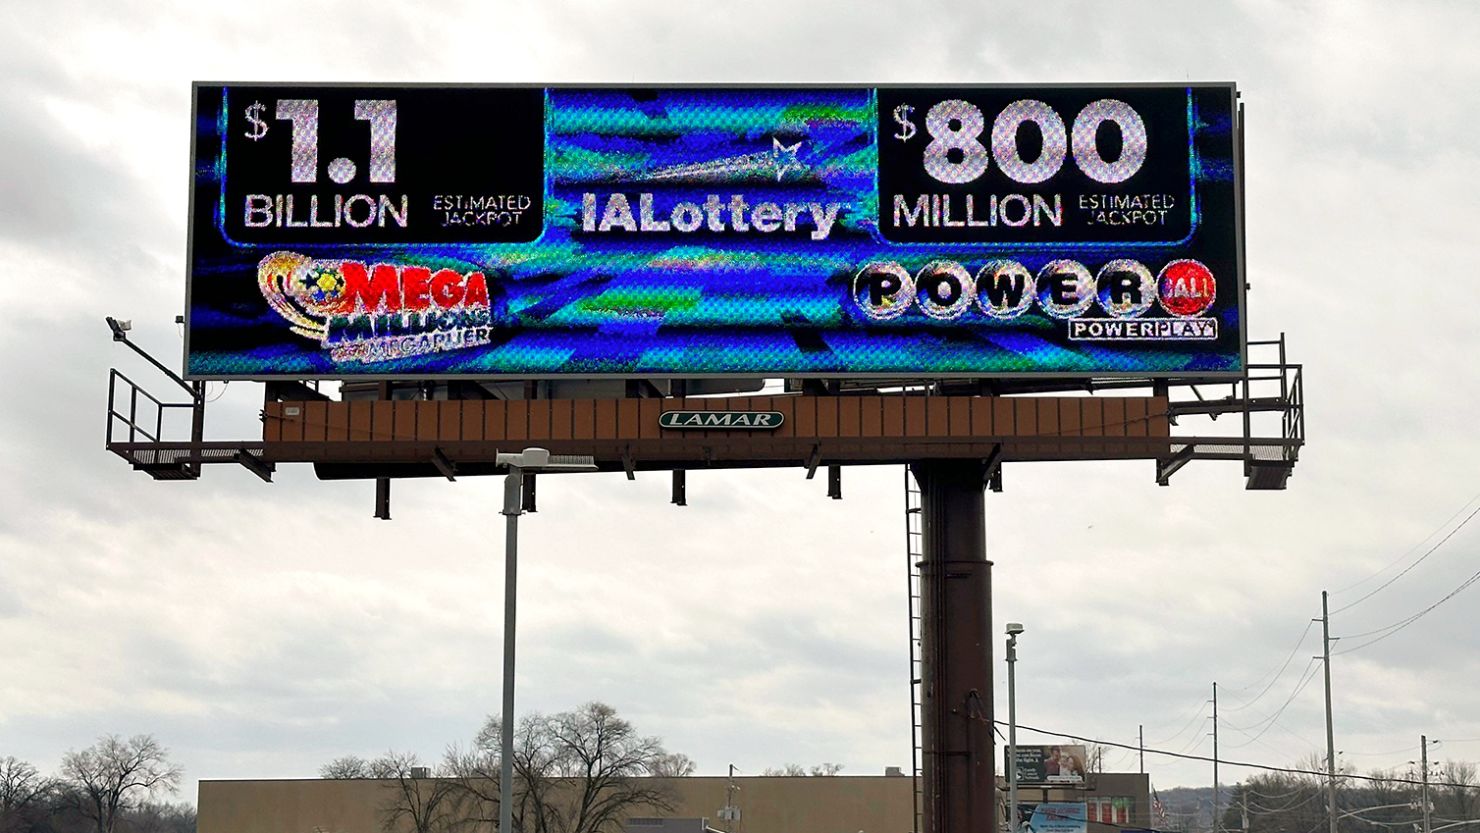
{"x": 476, "y": 231}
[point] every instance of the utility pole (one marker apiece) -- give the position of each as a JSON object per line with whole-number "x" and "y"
{"x": 1245, "y": 795}
{"x": 1216, "y": 819}
{"x": 730, "y": 813}
{"x": 1330, "y": 736}
{"x": 1424, "y": 757}
{"x": 1141, "y": 745}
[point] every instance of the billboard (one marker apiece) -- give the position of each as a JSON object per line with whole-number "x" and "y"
{"x": 1063, "y": 764}
{"x": 1053, "y": 817}
{"x": 539, "y": 232}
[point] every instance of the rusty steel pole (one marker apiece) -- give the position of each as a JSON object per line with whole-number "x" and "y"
{"x": 959, "y": 789}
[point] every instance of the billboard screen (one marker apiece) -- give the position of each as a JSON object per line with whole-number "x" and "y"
{"x": 1053, "y": 817}
{"x": 1064, "y": 764}
{"x": 475, "y": 231}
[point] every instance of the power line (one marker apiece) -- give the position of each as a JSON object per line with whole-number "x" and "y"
{"x": 1292, "y": 805}
{"x": 1199, "y": 737}
{"x": 1296, "y": 791}
{"x": 1405, "y": 570}
{"x": 1395, "y": 562}
{"x": 1296, "y": 735}
{"x": 1388, "y": 752}
{"x": 1243, "y": 764}
{"x": 1305, "y": 677}
{"x": 1403, "y": 623}
{"x": 1293, "y": 651}
{"x": 1253, "y": 739}
{"x": 1196, "y": 711}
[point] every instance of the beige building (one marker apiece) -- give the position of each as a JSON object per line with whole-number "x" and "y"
{"x": 837, "y": 804}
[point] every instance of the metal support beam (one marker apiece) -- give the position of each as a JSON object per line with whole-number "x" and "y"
{"x": 680, "y": 488}
{"x": 279, "y": 390}
{"x": 959, "y": 782}
{"x": 444, "y": 464}
{"x": 813, "y": 459}
{"x": 1167, "y": 467}
{"x": 994, "y": 468}
{"x": 383, "y": 498}
{"x": 528, "y": 504}
{"x": 835, "y": 482}
{"x": 255, "y": 465}
{"x": 628, "y": 464}
{"x": 120, "y": 334}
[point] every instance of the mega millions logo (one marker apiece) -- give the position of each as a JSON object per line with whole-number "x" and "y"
{"x": 377, "y": 312}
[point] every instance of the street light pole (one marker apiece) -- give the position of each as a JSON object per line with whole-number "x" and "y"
{"x": 1013, "y": 629}
{"x": 513, "y": 491}
{"x": 530, "y": 459}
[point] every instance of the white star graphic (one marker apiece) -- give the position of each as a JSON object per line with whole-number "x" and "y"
{"x": 784, "y": 157}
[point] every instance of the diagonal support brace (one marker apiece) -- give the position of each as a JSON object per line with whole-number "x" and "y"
{"x": 444, "y": 464}
{"x": 813, "y": 460}
{"x": 1168, "y": 466}
{"x": 256, "y": 465}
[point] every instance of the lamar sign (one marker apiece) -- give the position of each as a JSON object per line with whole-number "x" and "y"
{"x": 721, "y": 420}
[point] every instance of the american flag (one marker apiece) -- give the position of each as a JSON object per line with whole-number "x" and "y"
{"x": 1159, "y": 809}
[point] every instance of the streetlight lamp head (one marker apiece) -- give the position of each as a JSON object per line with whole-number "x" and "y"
{"x": 529, "y": 458}
{"x": 540, "y": 459}
{"x": 1014, "y": 628}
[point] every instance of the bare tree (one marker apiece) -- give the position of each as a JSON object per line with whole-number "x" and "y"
{"x": 1096, "y": 755}
{"x": 475, "y": 786}
{"x": 825, "y": 769}
{"x": 1462, "y": 801}
{"x": 795, "y": 770}
{"x": 421, "y": 798}
{"x": 605, "y": 752}
{"x": 112, "y": 774}
{"x": 789, "y": 769}
{"x": 674, "y": 765}
{"x": 353, "y": 766}
{"x": 23, "y": 793}
{"x": 161, "y": 817}
{"x": 576, "y": 772}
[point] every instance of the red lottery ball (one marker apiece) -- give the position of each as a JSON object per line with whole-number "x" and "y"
{"x": 1186, "y": 288}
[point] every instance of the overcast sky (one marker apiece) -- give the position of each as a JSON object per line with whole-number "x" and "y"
{"x": 261, "y": 630}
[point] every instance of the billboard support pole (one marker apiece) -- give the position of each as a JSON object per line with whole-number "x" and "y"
{"x": 960, "y": 788}
{"x": 197, "y": 418}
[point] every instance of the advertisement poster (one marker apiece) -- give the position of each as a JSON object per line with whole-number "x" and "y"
{"x": 536, "y": 232}
{"x": 1053, "y": 817}
{"x": 1064, "y": 764}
